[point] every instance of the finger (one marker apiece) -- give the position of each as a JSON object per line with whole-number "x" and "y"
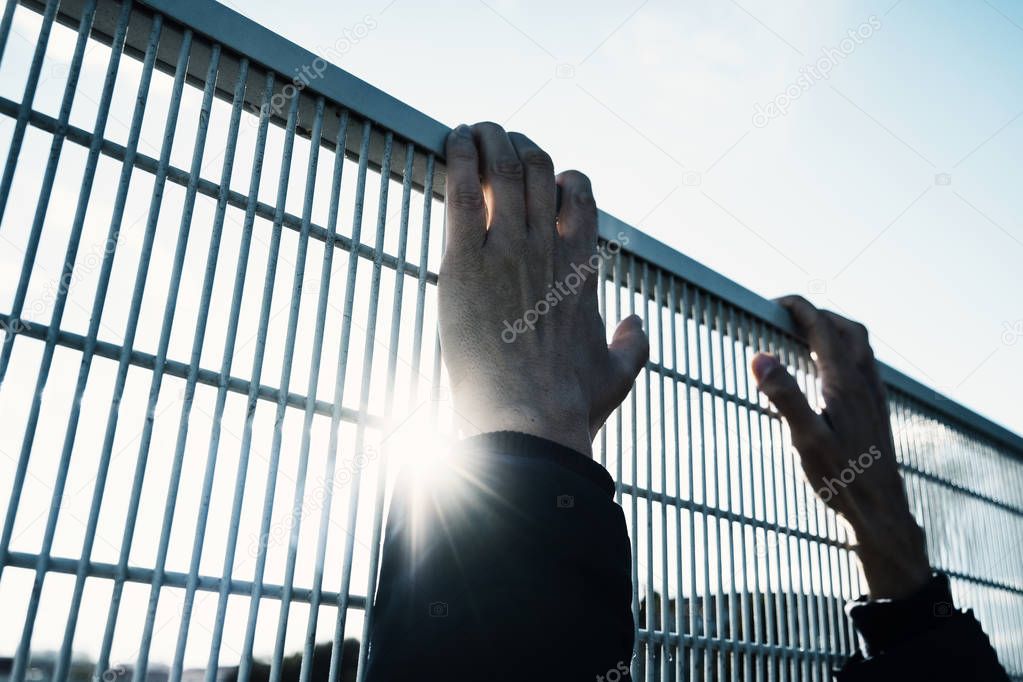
{"x": 781, "y": 388}
{"x": 629, "y": 350}
{"x": 502, "y": 174}
{"x": 577, "y": 216}
{"x": 541, "y": 199}
{"x": 857, "y": 341}
{"x": 464, "y": 209}
{"x": 853, "y": 334}
{"x": 818, "y": 330}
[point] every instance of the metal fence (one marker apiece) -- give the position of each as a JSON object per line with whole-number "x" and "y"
{"x": 219, "y": 258}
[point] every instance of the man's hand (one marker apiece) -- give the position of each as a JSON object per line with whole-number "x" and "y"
{"x": 847, "y": 453}
{"x": 524, "y": 344}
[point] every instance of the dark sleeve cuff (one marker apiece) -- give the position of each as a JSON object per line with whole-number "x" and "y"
{"x": 518, "y": 444}
{"x": 886, "y": 623}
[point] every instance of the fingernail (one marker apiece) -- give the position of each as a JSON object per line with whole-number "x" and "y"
{"x": 462, "y": 130}
{"x": 763, "y": 364}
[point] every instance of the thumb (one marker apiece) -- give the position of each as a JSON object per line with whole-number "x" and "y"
{"x": 628, "y": 354}
{"x": 781, "y": 388}
{"x": 629, "y": 348}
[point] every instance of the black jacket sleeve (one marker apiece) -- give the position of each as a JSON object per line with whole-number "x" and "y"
{"x": 922, "y": 637}
{"x": 510, "y": 560}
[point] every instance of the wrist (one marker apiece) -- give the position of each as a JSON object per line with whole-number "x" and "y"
{"x": 893, "y": 553}
{"x": 557, "y": 423}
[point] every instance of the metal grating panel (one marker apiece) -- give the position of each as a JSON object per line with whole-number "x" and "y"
{"x": 194, "y": 210}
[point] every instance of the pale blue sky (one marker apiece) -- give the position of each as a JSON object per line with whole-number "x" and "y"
{"x": 841, "y": 189}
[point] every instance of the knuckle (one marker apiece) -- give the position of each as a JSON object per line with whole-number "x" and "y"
{"x": 580, "y": 190}
{"x": 461, "y": 151}
{"x": 508, "y": 168}
{"x": 465, "y": 199}
{"x": 538, "y": 159}
{"x": 488, "y": 126}
{"x": 793, "y": 300}
{"x": 576, "y": 180}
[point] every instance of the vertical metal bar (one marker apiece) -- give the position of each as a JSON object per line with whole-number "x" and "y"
{"x": 25, "y": 106}
{"x": 793, "y": 567}
{"x": 256, "y": 593}
{"x": 659, "y": 305}
{"x": 227, "y": 359}
{"x": 5, "y": 25}
{"x": 673, "y": 308}
{"x": 212, "y": 257}
{"x": 650, "y": 591}
{"x": 315, "y": 140}
{"x": 632, "y": 287}
{"x": 392, "y": 366}
{"x": 360, "y": 430}
{"x": 424, "y": 254}
{"x": 734, "y": 332}
{"x": 46, "y": 187}
{"x": 712, "y": 519}
{"x": 132, "y": 326}
{"x": 776, "y": 635}
{"x": 687, "y": 312}
{"x": 619, "y": 437}
{"x": 116, "y": 46}
{"x": 745, "y": 328}
{"x": 836, "y": 615}
{"x": 735, "y": 592}
{"x": 704, "y": 648}
{"x": 821, "y": 632}
{"x": 818, "y": 629}
{"x": 802, "y": 619}
{"x": 328, "y": 480}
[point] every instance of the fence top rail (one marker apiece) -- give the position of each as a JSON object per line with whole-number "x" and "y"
{"x": 222, "y": 25}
